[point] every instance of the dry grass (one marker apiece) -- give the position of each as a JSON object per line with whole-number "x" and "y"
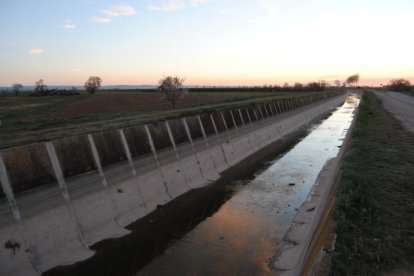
{"x": 375, "y": 204}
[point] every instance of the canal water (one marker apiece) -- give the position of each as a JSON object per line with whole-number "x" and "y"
{"x": 243, "y": 236}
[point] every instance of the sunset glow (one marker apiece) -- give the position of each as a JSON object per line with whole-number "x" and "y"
{"x": 207, "y": 42}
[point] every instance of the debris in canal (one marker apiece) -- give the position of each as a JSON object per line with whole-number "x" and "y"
{"x": 311, "y": 209}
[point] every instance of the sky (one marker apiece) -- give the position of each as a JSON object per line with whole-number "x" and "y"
{"x": 206, "y": 42}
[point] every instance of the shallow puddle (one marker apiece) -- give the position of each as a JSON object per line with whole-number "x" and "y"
{"x": 243, "y": 235}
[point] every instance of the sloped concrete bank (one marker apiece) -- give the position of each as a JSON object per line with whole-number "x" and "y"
{"x": 302, "y": 246}
{"x": 63, "y": 196}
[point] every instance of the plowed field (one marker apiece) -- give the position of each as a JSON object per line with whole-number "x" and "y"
{"x": 131, "y": 102}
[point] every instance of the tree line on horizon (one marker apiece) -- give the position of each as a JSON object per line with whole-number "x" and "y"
{"x": 172, "y": 88}
{"x": 41, "y": 89}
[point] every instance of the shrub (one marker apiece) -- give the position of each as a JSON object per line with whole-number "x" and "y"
{"x": 400, "y": 85}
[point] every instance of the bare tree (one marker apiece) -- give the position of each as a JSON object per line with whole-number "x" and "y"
{"x": 324, "y": 83}
{"x": 298, "y": 86}
{"x": 16, "y": 87}
{"x": 354, "y": 79}
{"x": 316, "y": 86}
{"x": 171, "y": 89}
{"x": 41, "y": 87}
{"x": 93, "y": 84}
{"x": 337, "y": 83}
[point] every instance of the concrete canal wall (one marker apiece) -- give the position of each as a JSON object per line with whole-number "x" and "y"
{"x": 57, "y": 198}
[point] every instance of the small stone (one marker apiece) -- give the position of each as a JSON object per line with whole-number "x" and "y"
{"x": 119, "y": 191}
{"x": 292, "y": 184}
{"x": 311, "y": 209}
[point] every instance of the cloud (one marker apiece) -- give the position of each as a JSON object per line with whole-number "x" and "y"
{"x": 69, "y": 25}
{"x": 223, "y": 12}
{"x": 119, "y": 10}
{"x": 173, "y": 5}
{"x": 166, "y": 5}
{"x": 101, "y": 19}
{"x": 199, "y": 2}
{"x": 36, "y": 51}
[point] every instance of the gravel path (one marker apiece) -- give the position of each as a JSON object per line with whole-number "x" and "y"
{"x": 400, "y": 106}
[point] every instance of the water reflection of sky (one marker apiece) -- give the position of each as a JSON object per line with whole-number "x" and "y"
{"x": 242, "y": 235}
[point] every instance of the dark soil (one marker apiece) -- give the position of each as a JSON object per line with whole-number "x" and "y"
{"x": 130, "y": 102}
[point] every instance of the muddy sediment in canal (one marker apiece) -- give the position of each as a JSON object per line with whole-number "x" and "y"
{"x": 154, "y": 233}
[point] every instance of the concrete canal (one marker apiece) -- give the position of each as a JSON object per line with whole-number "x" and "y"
{"x": 245, "y": 233}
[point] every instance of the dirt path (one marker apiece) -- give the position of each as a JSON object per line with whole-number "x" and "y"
{"x": 400, "y": 106}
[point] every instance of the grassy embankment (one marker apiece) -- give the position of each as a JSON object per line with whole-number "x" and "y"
{"x": 31, "y": 119}
{"x": 375, "y": 202}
